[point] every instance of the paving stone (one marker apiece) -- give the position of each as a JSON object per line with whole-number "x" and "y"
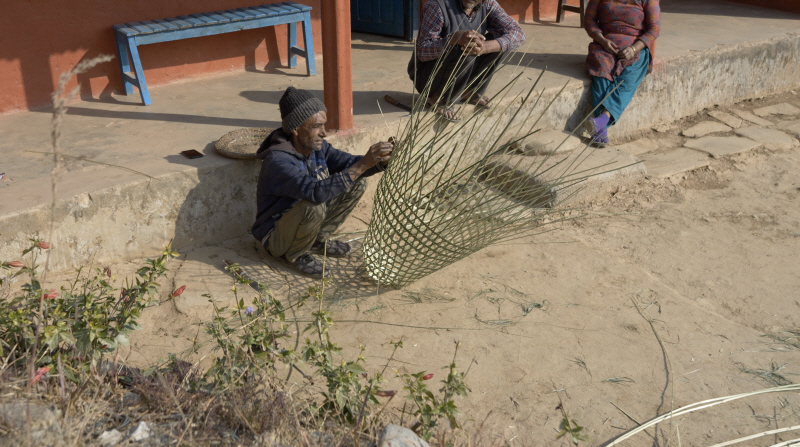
{"x": 674, "y": 162}
{"x": 722, "y": 146}
{"x": 777, "y": 109}
{"x": 752, "y": 118}
{"x": 550, "y": 141}
{"x": 397, "y": 436}
{"x": 727, "y": 118}
{"x": 704, "y": 128}
{"x": 40, "y": 419}
{"x": 663, "y": 128}
{"x": 791, "y": 127}
{"x": 770, "y": 138}
{"x": 640, "y": 146}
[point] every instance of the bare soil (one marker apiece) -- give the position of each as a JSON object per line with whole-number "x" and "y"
{"x": 670, "y": 292}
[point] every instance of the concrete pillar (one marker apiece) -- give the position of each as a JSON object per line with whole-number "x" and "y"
{"x": 337, "y": 66}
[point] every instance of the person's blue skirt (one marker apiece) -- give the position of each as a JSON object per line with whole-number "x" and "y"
{"x": 621, "y": 97}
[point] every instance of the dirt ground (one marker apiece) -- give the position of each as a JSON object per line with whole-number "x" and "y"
{"x": 671, "y": 292}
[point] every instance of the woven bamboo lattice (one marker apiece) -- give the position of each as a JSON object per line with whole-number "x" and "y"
{"x": 451, "y": 190}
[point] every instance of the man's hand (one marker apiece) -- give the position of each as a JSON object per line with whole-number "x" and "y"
{"x": 470, "y": 41}
{"x": 380, "y": 152}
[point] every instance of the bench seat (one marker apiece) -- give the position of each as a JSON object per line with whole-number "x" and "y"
{"x": 129, "y": 36}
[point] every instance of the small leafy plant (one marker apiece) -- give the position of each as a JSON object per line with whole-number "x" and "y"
{"x": 76, "y": 327}
{"x": 428, "y": 408}
{"x": 568, "y": 427}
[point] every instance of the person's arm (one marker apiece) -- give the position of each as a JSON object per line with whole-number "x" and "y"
{"x": 651, "y": 27}
{"x": 289, "y": 179}
{"x": 652, "y": 23}
{"x": 429, "y": 41}
{"x": 508, "y": 35}
{"x": 593, "y": 29}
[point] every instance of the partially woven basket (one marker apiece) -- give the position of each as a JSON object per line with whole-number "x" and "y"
{"x": 242, "y": 143}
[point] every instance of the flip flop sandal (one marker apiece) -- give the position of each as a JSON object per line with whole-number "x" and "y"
{"x": 305, "y": 264}
{"x": 476, "y": 101}
{"x": 600, "y": 139}
{"x": 331, "y": 248}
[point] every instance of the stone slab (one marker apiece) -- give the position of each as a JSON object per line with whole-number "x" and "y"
{"x": 792, "y": 127}
{"x": 721, "y": 146}
{"x": 673, "y": 162}
{"x": 638, "y": 147}
{"x": 704, "y": 128}
{"x": 550, "y": 141}
{"x": 747, "y": 116}
{"x": 727, "y": 118}
{"x": 777, "y": 109}
{"x": 770, "y": 138}
{"x": 398, "y": 436}
{"x": 580, "y": 174}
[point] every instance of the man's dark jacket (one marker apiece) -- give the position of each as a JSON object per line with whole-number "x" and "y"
{"x": 288, "y": 177}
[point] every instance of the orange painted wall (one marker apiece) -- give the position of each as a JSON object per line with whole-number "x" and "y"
{"x": 40, "y": 39}
{"x": 783, "y": 5}
{"x": 527, "y": 11}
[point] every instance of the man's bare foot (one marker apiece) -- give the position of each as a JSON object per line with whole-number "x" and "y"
{"x": 480, "y": 101}
{"x": 448, "y": 113}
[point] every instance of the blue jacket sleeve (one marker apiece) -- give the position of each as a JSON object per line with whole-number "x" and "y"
{"x": 289, "y": 177}
{"x": 338, "y": 161}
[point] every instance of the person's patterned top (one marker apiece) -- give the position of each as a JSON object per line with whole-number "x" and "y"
{"x": 430, "y": 43}
{"x": 622, "y": 22}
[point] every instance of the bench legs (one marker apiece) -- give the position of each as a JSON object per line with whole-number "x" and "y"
{"x": 308, "y": 52}
{"x": 124, "y": 63}
{"x": 128, "y": 54}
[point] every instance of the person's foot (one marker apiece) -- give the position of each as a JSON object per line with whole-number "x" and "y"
{"x": 334, "y": 248}
{"x": 305, "y": 264}
{"x": 600, "y": 139}
{"x": 480, "y": 101}
{"x": 597, "y": 125}
{"x": 442, "y": 110}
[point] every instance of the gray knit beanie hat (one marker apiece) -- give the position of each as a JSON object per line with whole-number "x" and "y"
{"x": 296, "y": 107}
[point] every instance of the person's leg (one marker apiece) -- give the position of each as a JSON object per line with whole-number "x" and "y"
{"x": 296, "y": 231}
{"x": 450, "y": 78}
{"x": 628, "y": 81}
{"x": 483, "y": 69}
{"x": 339, "y": 208}
{"x": 600, "y": 88}
{"x": 597, "y": 126}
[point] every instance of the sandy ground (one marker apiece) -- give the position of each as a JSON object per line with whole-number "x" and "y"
{"x": 664, "y": 296}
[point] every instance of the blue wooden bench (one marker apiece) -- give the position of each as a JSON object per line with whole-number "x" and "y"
{"x": 131, "y": 35}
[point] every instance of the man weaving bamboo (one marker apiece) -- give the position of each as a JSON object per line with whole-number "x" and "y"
{"x": 306, "y": 187}
{"x": 480, "y": 31}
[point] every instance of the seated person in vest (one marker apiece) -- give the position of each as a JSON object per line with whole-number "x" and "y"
{"x": 307, "y": 188}
{"x": 481, "y": 31}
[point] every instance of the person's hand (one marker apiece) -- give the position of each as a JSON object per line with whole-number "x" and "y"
{"x": 471, "y": 42}
{"x": 609, "y": 46}
{"x": 380, "y": 152}
{"x": 627, "y": 53}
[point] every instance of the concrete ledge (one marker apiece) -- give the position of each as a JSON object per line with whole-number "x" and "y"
{"x": 138, "y": 218}
{"x": 216, "y": 201}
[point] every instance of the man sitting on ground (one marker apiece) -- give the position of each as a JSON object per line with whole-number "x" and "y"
{"x": 481, "y": 30}
{"x": 307, "y": 188}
